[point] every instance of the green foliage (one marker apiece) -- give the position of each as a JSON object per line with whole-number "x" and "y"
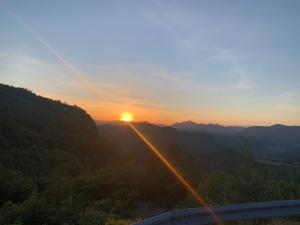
{"x": 39, "y": 135}
{"x": 217, "y": 187}
{"x": 93, "y": 217}
{"x": 56, "y": 169}
{"x": 14, "y": 186}
{"x": 122, "y": 221}
{"x": 32, "y": 211}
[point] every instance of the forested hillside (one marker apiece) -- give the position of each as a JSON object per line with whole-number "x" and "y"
{"x": 56, "y": 168}
{"x": 36, "y": 133}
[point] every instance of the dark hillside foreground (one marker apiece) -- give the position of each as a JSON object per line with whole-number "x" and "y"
{"x": 36, "y": 133}
{"x": 57, "y": 167}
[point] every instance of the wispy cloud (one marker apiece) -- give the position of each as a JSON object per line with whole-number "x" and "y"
{"x": 160, "y": 18}
{"x": 19, "y": 68}
{"x": 288, "y": 102}
{"x": 240, "y": 76}
{"x": 52, "y": 80}
{"x": 244, "y": 81}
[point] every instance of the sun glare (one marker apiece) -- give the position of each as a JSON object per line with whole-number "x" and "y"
{"x": 126, "y": 117}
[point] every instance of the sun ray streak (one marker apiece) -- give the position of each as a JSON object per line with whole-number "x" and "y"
{"x": 103, "y": 97}
{"x": 177, "y": 174}
{"x": 81, "y": 77}
{"x": 91, "y": 87}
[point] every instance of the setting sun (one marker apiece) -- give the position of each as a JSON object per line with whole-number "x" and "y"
{"x": 126, "y": 117}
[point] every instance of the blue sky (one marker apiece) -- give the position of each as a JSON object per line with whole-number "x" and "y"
{"x": 231, "y": 62}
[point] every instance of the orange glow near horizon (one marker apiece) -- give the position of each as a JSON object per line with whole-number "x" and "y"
{"x": 106, "y": 111}
{"x": 177, "y": 174}
{"x": 153, "y": 112}
{"x": 126, "y": 117}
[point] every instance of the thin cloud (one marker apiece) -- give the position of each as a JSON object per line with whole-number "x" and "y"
{"x": 288, "y": 102}
{"x": 241, "y": 78}
{"x": 159, "y": 18}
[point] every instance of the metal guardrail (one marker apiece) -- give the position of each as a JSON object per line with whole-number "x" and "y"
{"x": 236, "y": 212}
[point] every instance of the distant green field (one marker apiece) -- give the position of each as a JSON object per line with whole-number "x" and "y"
{"x": 278, "y": 163}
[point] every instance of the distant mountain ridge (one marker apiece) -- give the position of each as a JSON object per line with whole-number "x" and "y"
{"x": 277, "y": 132}
{"x": 167, "y": 138}
{"x": 276, "y": 141}
{"x": 210, "y": 128}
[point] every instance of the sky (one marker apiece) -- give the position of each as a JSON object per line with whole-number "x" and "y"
{"x": 231, "y": 62}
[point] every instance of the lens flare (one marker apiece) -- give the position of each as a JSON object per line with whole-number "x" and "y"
{"x": 83, "y": 78}
{"x": 177, "y": 174}
{"x": 126, "y": 117}
{"x": 80, "y": 76}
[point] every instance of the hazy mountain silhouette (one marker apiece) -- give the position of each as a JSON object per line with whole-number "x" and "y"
{"x": 277, "y": 133}
{"x": 277, "y": 141}
{"x": 166, "y": 138}
{"x": 211, "y": 128}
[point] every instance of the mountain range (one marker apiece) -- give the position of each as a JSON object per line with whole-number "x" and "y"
{"x": 51, "y": 153}
{"x": 273, "y": 142}
{"x": 211, "y": 128}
